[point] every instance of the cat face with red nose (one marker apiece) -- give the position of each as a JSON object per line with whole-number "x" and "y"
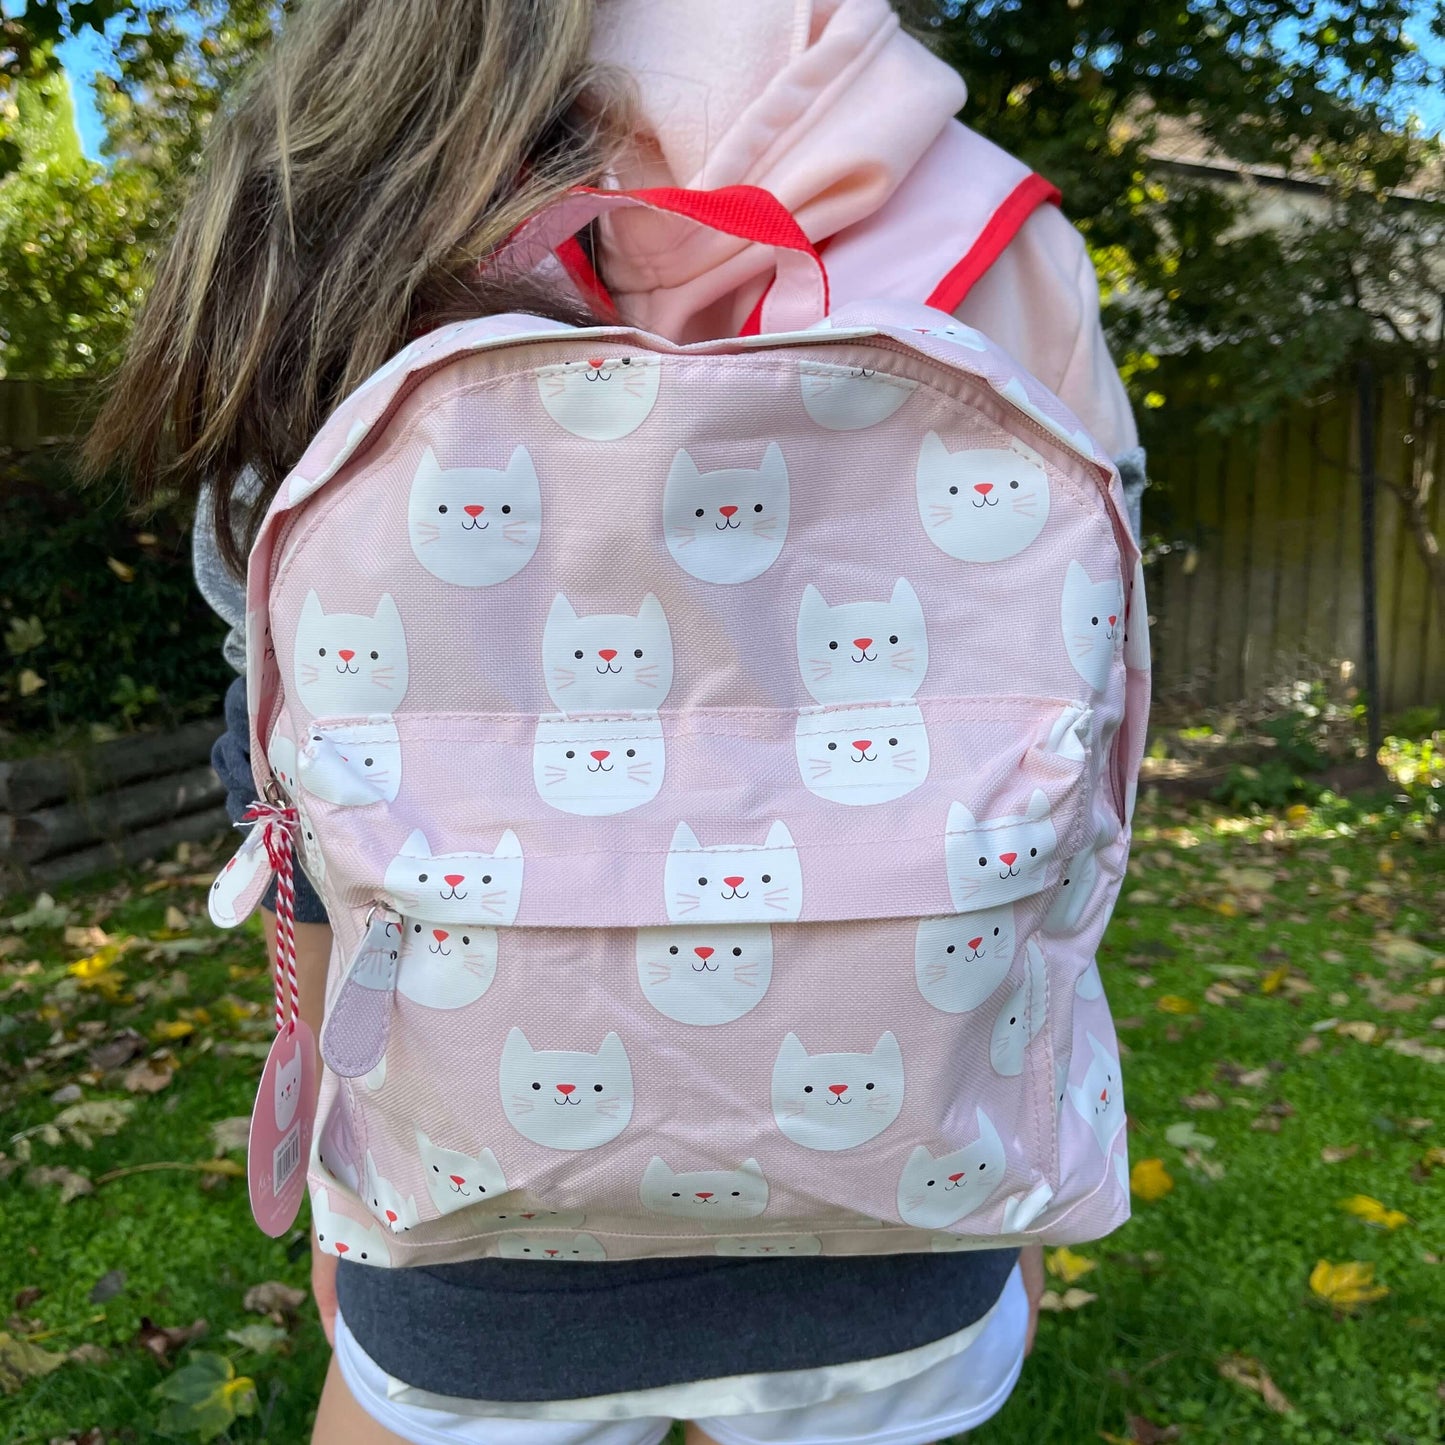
{"x": 607, "y": 662}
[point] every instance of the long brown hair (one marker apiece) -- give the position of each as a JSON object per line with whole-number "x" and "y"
{"x": 380, "y": 151}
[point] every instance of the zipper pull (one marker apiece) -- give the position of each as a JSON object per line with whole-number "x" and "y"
{"x": 358, "y": 1021}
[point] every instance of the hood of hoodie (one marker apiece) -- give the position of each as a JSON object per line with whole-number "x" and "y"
{"x": 828, "y": 104}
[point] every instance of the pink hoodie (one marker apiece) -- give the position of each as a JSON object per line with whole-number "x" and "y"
{"x": 848, "y": 120}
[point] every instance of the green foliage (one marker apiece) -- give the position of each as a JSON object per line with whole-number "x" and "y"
{"x": 1085, "y": 92}
{"x": 101, "y": 621}
{"x": 1270, "y": 787}
{"x": 76, "y": 236}
{"x": 1417, "y": 767}
{"x": 204, "y": 1397}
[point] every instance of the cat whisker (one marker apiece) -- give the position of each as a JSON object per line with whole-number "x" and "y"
{"x": 686, "y": 902}
{"x": 936, "y": 972}
{"x": 746, "y": 973}
{"x": 640, "y": 773}
{"x": 522, "y": 1104}
{"x": 792, "y": 1110}
{"x": 310, "y": 672}
{"x": 685, "y": 536}
{"x": 517, "y": 532}
{"x": 660, "y": 972}
{"x": 939, "y": 514}
{"x": 554, "y": 774}
{"x": 820, "y": 768}
{"x": 608, "y": 1107}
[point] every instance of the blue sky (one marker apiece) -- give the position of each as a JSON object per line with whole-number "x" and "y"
{"x": 88, "y": 52}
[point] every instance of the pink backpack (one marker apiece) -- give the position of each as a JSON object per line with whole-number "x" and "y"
{"x": 717, "y": 763}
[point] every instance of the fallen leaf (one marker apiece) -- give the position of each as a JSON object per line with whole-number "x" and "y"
{"x": 21, "y": 1361}
{"x": 161, "y": 1341}
{"x": 261, "y": 1337}
{"x": 273, "y": 1297}
{"x": 1271, "y": 982}
{"x": 1172, "y": 1003}
{"x": 1417, "y": 1049}
{"x": 1310, "y": 1044}
{"x": 1251, "y": 1375}
{"x": 221, "y": 1168}
{"x": 1071, "y": 1299}
{"x": 1143, "y": 1431}
{"x": 119, "y": 1049}
{"x": 175, "y": 920}
{"x": 1373, "y": 1212}
{"x": 149, "y": 1076}
{"x": 1150, "y": 1180}
{"x": 96, "y": 1116}
{"x": 28, "y": 1296}
{"x": 89, "y": 1354}
{"x": 1197, "y": 1161}
{"x": 1064, "y": 1264}
{"x": 172, "y": 1029}
{"x": 1338, "y": 1153}
{"x": 203, "y": 1397}
{"x": 72, "y": 1184}
{"x": 1395, "y": 948}
{"x": 232, "y": 1133}
{"x": 1186, "y": 1136}
{"x": 107, "y": 1287}
{"x": 1346, "y": 1286}
{"x": 1202, "y": 1100}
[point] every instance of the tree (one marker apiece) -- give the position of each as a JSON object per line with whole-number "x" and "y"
{"x": 1261, "y": 314}
{"x": 75, "y": 235}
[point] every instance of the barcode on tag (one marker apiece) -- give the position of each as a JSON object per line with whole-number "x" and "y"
{"x": 285, "y": 1159}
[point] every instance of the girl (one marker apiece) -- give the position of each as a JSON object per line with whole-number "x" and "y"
{"x": 350, "y": 198}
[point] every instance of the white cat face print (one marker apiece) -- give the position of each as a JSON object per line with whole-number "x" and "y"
{"x": 849, "y": 398}
{"x": 770, "y": 1246}
{"x": 347, "y": 664}
{"x": 726, "y": 525}
{"x": 386, "y": 1202}
{"x": 565, "y": 1099}
{"x": 957, "y": 333}
{"x": 608, "y": 662}
{"x": 865, "y": 755}
{"x": 475, "y": 526}
{"x": 836, "y": 1101}
{"x": 239, "y": 885}
{"x": 1076, "y": 887}
{"x": 562, "y": 1248}
{"x": 733, "y": 882}
{"x": 936, "y": 1193}
{"x": 1092, "y": 616}
{"x": 1000, "y": 859}
{"x": 351, "y": 764}
{"x": 711, "y": 1197}
{"x": 602, "y": 398}
{"x": 981, "y": 504}
{"x": 1022, "y": 1015}
{"x": 342, "y": 1236}
{"x": 705, "y": 973}
{"x": 454, "y": 1179}
{"x": 1079, "y": 440}
{"x": 1099, "y": 1100}
{"x": 445, "y": 967}
{"x": 288, "y": 1088}
{"x": 596, "y": 767}
{"x": 862, "y": 651}
{"x": 456, "y": 888}
{"x": 960, "y": 959}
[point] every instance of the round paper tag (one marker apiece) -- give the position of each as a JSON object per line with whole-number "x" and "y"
{"x": 281, "y": 1124}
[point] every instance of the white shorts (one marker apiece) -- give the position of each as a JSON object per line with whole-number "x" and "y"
{"x": 955, "y": 1394}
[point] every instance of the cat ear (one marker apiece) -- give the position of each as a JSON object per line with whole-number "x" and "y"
{"x": 933, "y": 452}
{"x": 1024, "y": 450}
{"x": 960, "y": 820}
{"x": 657, "y": 1175}
{"x": 813, "y": 606}
{"x": 427, "y": 469}
{"x": 1099, "y": 1051}
{"x": 905, "y": 596}
{"x": 516, "y": 1046}
{"x": 684, "y": 840}
{"x": 1076, "y": 577}
{"x": 987, "y": 1134}
{"x": 508, "y": 846}
{"x": 683, "y": 469}
{"x": 792, "y": 1051}
{"x": 752, "y": 1168}
{"x": 1038, "y": 806}
{"x": 424, "y": 1146}
{"x": 920, "y": 1158}
{"x": 613, "y": 1054}
{"x": 312, "y": 611}
{"x": 886, "y": 1051}
{"x": 562, "y": 613}
{"x": 651, "y": 612}
{"x": 371, "y": 1174}
{"x": 387, "y": 614}
{"x": 778, "y": 836}
{"x": 520, "y": 466}
{"x": 774, "y": 469}
{"x": 416, "y": 846}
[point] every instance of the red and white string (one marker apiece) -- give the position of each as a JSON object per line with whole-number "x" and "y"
{"x": 278, "y": 827}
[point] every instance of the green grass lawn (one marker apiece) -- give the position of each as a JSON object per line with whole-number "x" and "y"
{"x": 1279, "y": 985}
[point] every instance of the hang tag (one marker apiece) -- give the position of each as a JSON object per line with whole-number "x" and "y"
{"x": 358, "y": 1020}
{"x": 242, "y": 883}
{"x": 281, "y": 1126}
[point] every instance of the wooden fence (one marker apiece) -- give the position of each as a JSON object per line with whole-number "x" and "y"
{"x": 1261, "y": 585}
